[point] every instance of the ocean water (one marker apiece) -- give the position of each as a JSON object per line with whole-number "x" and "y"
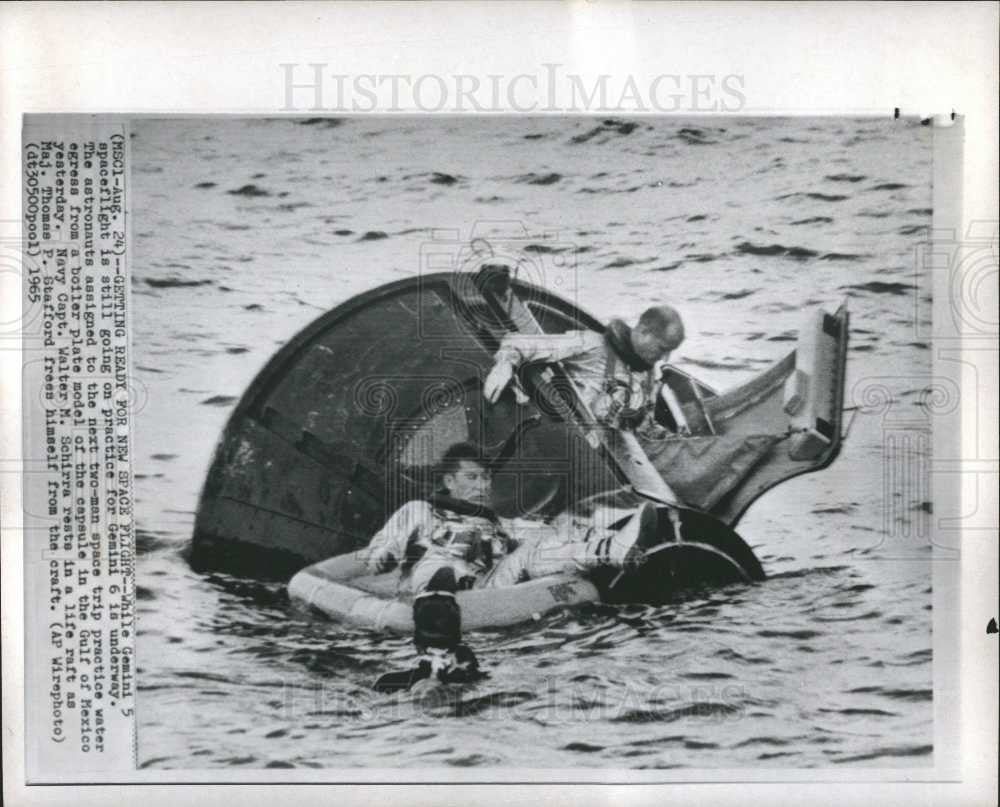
{"x": 245, "y": 230}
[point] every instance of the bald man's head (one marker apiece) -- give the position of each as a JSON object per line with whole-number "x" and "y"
{"x": 658, "y": 332}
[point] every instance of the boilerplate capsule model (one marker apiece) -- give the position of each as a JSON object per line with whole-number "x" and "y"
{"x": 346, "y": 421}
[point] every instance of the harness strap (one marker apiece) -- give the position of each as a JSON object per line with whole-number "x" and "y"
{"x": 626, "y": 413}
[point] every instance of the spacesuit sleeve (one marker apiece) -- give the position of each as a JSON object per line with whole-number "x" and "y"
{"x": 411, "y": 521}
{"x": 517, "y": 349}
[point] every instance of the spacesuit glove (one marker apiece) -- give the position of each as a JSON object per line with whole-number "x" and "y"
{"x": 497, "y": 380}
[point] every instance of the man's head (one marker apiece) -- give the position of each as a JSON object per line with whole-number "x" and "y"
{"x": 464, "y": 474}
{"x": 658, "y": 332}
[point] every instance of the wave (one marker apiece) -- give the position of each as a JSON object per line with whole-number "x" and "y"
{"x": 736, "y": 295}
{"x": 503, "y": 700}
{"x": 696, "y": 709}
{"x": 539, "y": 179}
{"x": 542, "y": 249}
{"x": 701, "y": 257}
{"x": 220, "y": 400}
{"x": 621, "y": 263}
{"x": 611, "y": 126}
{"x": 440, "y": 178}
{"x": 789, "y": 634}
{"x": 901, "y": 751}
{"x": 326, "y": 123}
{"x": 584, "y": 747}
{"x": 881, "y": 287}
{"x": 630, "y": 189}
{"x": 147, "y": 541}
{"x": 780, "y": 250}
{"x": 694, "y": 137}
{"x": 909, "y": 695}
{"x": 842, "y": 256}
{"x": 249, "y": 190}
{"x": 174, "y": 282}
{"x": 859, "y": 711}
{"x": 819, "y": 197}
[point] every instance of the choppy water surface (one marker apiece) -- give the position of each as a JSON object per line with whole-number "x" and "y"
{"x": 246, "y": 230}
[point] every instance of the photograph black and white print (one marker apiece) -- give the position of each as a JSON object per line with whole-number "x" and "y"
{"x": 537, "y": 443}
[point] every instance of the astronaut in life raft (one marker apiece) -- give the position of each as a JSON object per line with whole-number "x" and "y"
{"x": 454, "y": 540}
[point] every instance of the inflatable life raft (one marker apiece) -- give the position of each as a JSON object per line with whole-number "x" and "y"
{"x": 342, "y": 589}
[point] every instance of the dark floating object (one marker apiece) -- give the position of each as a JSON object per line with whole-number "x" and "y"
{"x": 205, "y": 185}
{"x": 373, "y": 235}
{"x": 343, "y": 423}
{"x": 991, "y": 626}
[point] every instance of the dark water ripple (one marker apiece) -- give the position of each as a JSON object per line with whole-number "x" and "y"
{"x": 741, "y": 226}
